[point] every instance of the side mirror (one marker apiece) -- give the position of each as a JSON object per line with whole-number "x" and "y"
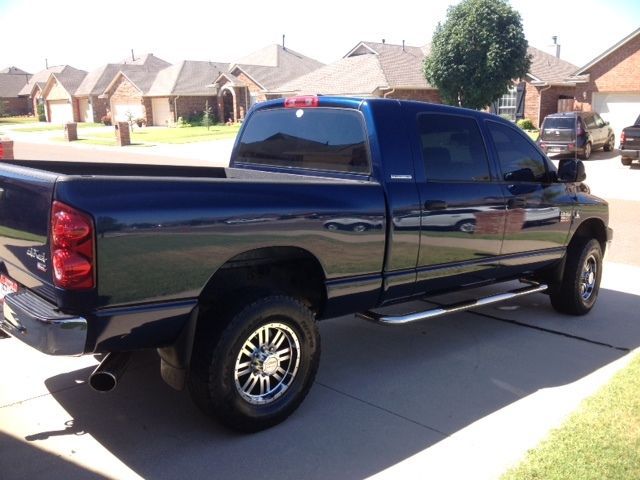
{"x": 570, "y": 171}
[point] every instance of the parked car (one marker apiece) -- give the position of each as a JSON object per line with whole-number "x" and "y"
{"x": 571, "y": 133}
{"x": 630, "y": 143}
{"x": 225, "y": 271}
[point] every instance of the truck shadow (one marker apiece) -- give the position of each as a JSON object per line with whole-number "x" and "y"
{"x": 382, "y": 394}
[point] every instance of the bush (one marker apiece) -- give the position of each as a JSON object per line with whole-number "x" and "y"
{"x": 106, "y": 120}
{"x": 40, "y": 112}
{"x": 526, "y": 124}
{"x": 141, "y": 122}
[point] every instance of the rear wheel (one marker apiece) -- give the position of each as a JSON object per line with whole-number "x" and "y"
{"x": 610, "y": 145}
{"x": 587, "y": 151}
{"x": 260, "y": 367}
{"x": 626, "y": 161}
{"x": 578, "y": 291}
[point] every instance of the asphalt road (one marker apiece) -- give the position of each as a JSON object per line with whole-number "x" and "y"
{"x": 457, "y": 397}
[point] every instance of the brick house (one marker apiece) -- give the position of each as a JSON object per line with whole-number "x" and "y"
{"x": 93, "y": 105}
{"x": 12, "y": 81}
{"x": 126, "y": 94}
{"x": 184, "y": 90}
{"x": 370, "y": 69}
{"x": 259, "y": 77}
{"x": 60, "y": 104}
{"x": 33, "y": 90}
{"x": 538, "y": 94}
{"x": 610, "y": 83}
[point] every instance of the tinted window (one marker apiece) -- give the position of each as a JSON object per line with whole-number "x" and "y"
{"x": 452, "y": 148}
{"x": 314, "y": 138}
{"x": 519, "y": 159}
{"x": 559, "y": 122}
{"x": 590, "y": 121}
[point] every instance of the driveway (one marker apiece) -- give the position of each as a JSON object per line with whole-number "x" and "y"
{"x": 457, "y": 397}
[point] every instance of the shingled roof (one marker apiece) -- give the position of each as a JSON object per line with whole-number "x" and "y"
{"x": 548, "y": 69}
{"x": 274, "y": 65}
{"x": 11, "y": 84}
{"x": 367, "y": 67}
{"x": 40, "y": 78}
{"x": 188, "y": 77}
{"x": 14, "y": 71}
{"x": 97, "y": 80}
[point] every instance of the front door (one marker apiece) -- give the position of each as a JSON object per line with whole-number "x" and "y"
{"x": 463, "y": 208}
{"x": 539, "y": 210}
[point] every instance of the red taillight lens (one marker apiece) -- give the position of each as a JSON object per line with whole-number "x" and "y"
{"x": 299, "y": 102}
{"x": 72, "y": 248}
{"x": 622, "y": 137}
{"x": 1, "y": 151}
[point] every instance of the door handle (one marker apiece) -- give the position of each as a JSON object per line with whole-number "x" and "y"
{"x": 435, "y": 205}
{"x": 517, "y": 202}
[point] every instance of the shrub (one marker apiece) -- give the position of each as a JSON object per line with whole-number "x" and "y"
{"x": 40, "y": 112}
{"x": 526, "y": 124}
{"x": 106, "y": 119}
{"x": 141, "y": 122}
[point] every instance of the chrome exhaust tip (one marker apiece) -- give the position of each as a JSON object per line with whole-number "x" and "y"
{"x": 106, "y": 375}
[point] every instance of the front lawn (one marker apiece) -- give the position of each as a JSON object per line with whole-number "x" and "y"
{"x": 599, "y": 441}
{"x": 17, "y": 120}
{"x": 171, "y": 135}
{"x": 52, "y": 127}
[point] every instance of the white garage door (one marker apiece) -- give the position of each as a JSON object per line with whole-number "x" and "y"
{"x": 619, "y": 109}
{"x": 60, "y": 111}
{"x": 122, "y": 111}
{"x": 162, "y": 115}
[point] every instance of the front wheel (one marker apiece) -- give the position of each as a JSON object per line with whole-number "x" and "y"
{"x": 262, "y": 366}
{"x": 578, "y": 291}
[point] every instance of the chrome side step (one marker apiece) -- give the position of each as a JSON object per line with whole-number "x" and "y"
{"x": 456, "y": 307}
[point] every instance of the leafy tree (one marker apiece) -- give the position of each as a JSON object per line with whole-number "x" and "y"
{"x": 477, "y": 53}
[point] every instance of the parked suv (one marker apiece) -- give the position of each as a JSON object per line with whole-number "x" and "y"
{"x": 570, "y": 132}
{"x": 630, "y": 143}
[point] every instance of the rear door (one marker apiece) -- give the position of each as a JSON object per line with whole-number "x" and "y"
{"x": 462, "y": 216}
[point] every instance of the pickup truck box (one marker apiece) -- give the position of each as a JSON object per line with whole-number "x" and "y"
{"x": 630, "y": 143}
{"x": 330, "y": 206}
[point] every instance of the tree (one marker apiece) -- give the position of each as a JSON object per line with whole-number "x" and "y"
{"x": 477, "y": 53}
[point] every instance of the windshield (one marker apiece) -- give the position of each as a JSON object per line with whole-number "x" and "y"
{"x": 312, "y": 138}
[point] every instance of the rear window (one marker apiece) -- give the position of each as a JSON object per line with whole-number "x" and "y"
{"x": 559, "y": 122}
{"x": 312, "y": 138}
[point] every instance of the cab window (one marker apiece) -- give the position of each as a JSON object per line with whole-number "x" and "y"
{"x": 520, "y": 161}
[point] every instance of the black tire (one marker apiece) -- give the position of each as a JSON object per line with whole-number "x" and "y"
{"x": 466, "y": 226}
{"x": 219, "y": 360}
{"x": 610, "y": 145}
{"x": 578, "y": 292}
{"x": 626, "y": 161}
{"x": 587, "y": 152}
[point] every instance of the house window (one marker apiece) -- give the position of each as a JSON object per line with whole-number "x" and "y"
{"x": 507, "y": 104}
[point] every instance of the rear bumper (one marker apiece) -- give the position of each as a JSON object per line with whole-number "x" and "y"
{"x": 40, "y": 325}
{"x": 609, "y": 234}
{"x": 634, "y": 154}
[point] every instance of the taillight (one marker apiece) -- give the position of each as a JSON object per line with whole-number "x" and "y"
{"x": 1, "y": 151}
{"x": 72, "y": 248}
{"x": 299, "y": 102}
{"x": 622, "y": 137}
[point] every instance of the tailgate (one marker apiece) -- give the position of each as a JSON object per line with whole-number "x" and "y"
{"x": 25, "y": 202}
{"x": 631, "y": 138}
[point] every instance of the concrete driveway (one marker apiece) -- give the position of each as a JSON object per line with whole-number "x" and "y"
{"x": 457, "y": 397}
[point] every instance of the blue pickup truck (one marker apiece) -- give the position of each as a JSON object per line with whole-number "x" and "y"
{"x": 330, "y": 206}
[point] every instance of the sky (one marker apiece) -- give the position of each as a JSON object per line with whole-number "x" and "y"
{"x": 87, "y": 34}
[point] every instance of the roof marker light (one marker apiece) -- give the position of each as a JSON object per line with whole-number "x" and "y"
{"x": 298, "y": 102}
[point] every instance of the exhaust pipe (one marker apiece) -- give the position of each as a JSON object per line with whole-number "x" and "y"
{"x": 106, "y": 375}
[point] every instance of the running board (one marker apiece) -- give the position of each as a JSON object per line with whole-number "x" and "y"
{"x": 456, "y": 307}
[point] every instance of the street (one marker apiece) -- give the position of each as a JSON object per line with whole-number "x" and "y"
{"x": 462, "y": 396}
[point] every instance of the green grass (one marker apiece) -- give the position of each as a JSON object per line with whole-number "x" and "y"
{"x": 49, "y": 127}
{"x": 175, "y": 135}
{"x": 17, "y": 120}
{"x": 19, "y": 234}
{"x": 599, "y": 441}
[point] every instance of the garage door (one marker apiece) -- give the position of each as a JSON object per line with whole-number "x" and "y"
{"x": 161, "y": 111}
{"x": 60, "y": 111}
{"x": 619, "y": 109}
{"x": 122, "y": 111}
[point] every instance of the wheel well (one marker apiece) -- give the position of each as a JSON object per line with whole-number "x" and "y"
{"x": 287, "y": 270}
{"x": 592, "y": 228}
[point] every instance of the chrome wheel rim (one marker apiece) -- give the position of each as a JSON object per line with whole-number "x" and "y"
{"x": 267, "y": 364}
{"x": 588, "y": 277}
{"x": 587, "y": 150}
